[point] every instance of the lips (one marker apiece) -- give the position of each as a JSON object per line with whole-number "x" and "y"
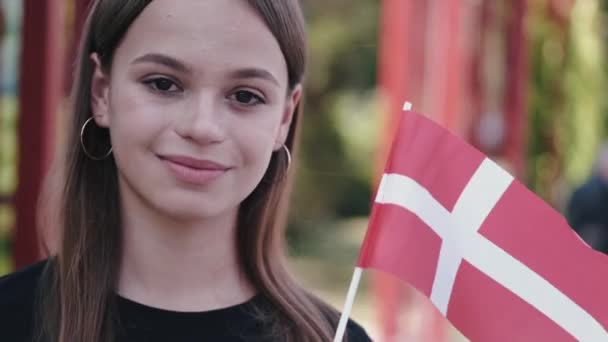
{"x": 192, "y": 170}
{"x": 193, "y": 163}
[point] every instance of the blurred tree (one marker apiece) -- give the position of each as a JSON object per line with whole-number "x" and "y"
{"x": 568, "y": 110}
{"x": 585, "y": 84}
{"x": 335, "y": 156}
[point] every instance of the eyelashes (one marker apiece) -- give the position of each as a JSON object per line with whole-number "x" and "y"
{"x": 247, "y": 98}
{"x": 165, "y": 86}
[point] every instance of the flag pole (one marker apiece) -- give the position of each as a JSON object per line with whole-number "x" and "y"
{"x": 407, "y": 106}
{"x": 348, "y": 305}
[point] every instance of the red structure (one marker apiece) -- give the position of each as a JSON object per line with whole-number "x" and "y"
{"x": 44, "y": 83}
{"x": 432, "y": 53}
{"x": 40, "y": 91}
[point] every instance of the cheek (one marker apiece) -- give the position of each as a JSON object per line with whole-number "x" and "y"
{"x": 256, "y": 139}
{"x": 134, "y": 121}
{"x": 130, "y": 140}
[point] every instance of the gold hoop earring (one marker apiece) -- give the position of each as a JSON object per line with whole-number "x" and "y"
{"x": 84, "y": 148}
{"x": 288, "y": 157}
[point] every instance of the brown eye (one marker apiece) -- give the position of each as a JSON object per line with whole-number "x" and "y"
{"x": 247, "y": 98}
{"x": 163, "y": 85}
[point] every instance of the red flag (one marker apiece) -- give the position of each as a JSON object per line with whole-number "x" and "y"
{"x": 496, "y": 260}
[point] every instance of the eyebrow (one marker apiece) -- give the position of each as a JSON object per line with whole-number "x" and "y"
{"x": 254, "y": 73}
{"x": 175, "y": 64}
{"x": 163, "y": 60}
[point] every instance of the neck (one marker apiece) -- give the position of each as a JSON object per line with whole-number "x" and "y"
{"x": 177, "y": 265}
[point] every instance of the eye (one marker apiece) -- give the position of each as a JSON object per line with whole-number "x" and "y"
{"x": 247, "y": 98}
{"x": 162, "y": 85}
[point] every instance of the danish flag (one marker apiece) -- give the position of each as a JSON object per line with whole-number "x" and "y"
{"x": 496, "y": 260}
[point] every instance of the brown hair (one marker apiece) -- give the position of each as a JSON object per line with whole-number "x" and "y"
{"x": 77, "y": 288}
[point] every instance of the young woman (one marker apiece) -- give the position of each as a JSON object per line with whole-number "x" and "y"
{"x": 176, "y": 175}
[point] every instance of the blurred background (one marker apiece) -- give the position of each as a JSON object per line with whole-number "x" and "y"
{"x": 522, "y": 80}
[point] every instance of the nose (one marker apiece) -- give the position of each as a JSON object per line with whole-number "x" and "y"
{"x": 202, "y": 122}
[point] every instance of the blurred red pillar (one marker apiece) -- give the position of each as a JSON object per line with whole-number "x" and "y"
{"x": 433, "y": 58}
{"x": 420, "y": 61}
{"x": 442, "y": 82}
{"x": 513, "y": 108}
{"x": 40, "y": 90}
{"x": 516, "y": 88}
{"x": 398, "y": 57}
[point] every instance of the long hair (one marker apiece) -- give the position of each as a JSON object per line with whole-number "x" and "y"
{"x": 76, "y": 298}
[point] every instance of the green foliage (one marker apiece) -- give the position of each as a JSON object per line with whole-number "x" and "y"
{"x": 585, "y": 83}
{"x": 333, "y": 175}
{"x": 8, "y": 144}
{"x": 8, "y": 178}
{"x": 568, "y": 109}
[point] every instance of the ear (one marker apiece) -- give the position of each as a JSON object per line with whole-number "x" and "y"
{"x": 100, "y": 93}
{"x": 290, "y": 106}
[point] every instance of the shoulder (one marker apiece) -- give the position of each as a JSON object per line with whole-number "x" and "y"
{"x": 356, "y": 333}
{"x": 17, "y": 298}
{"x": 590, "y": 190}
{"x": 20, "y": 285}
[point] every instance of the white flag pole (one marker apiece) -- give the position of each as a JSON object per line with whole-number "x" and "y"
{"x": 407, "y": 106}
{"x": 350, "y": 298}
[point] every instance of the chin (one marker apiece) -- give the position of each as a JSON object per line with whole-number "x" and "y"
{"x": 195, "y": 209}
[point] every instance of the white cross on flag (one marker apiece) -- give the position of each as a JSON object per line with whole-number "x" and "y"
{"x": 496, "y": 260}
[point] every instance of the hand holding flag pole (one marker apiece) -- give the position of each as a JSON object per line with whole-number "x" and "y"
{"x": 496, "y": 260}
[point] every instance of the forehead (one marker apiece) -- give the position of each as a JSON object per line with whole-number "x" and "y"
{"x": 205, "y": 32}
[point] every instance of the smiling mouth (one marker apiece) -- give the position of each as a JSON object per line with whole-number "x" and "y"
{"x": 193, "y": 171}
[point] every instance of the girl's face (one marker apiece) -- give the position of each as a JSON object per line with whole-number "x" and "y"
{"x": 196, "y": 102}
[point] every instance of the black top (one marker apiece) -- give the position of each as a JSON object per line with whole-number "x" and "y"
{"x": 138, "y": 322}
